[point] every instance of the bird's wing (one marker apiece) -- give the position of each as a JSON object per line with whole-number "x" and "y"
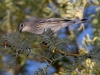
{"x": 47, "y": 20}
{"x": 54, "y": 24}
{"x": 50, "y": 20}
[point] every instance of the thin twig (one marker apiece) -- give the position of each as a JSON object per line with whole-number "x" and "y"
{"x": 42, "y": 46}
{"x": 56, "y": 50}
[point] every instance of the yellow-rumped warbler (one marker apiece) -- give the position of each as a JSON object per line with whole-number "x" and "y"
{"x": 39, "y": 25}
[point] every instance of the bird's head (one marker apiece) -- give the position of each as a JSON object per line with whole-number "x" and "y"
{"x": 23, "y": 27}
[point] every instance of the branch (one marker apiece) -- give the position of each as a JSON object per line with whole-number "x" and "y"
{"x": 66, "y": 54}
{"x": 56, "y": 50}
{"x": 43, "y": 45}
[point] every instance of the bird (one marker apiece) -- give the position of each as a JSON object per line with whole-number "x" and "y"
{"x": 41, "y": 25}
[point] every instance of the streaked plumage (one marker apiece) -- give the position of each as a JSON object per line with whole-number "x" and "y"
{"x": 38, "y": 26}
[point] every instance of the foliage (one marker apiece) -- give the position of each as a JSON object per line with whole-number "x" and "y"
{"x": 63, "y": 54}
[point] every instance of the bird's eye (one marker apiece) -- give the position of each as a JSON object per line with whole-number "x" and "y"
{"x": 22, "y": 25}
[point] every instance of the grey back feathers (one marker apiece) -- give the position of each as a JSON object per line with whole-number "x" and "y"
{"x": 39, "y": 25}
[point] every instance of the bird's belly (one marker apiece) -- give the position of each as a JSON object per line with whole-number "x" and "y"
{"x": 54, "y": 27}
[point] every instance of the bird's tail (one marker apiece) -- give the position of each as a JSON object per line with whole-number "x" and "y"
{"x": 77, "y": 20}
{"x": 70, "y": 22}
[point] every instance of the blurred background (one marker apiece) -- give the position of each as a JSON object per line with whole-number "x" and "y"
{"x": 16, "y": 59}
